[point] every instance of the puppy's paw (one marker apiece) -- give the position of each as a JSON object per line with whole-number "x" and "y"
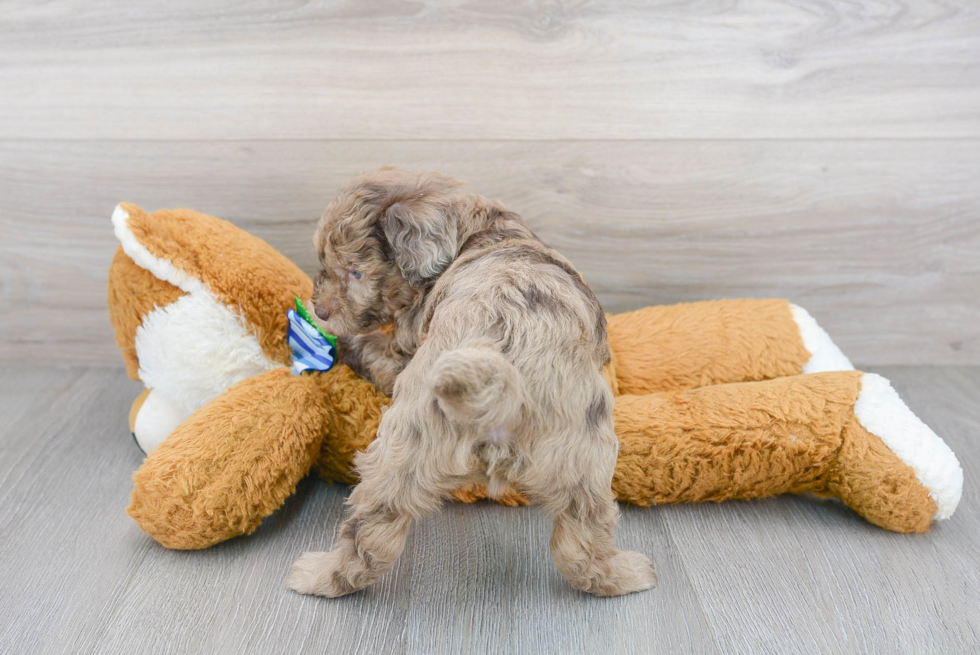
{"x": 629, "y": 572}
{"x": 637, "y": 572}
{"x": 318, "y": 574}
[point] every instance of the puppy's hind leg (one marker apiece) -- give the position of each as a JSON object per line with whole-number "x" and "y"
{"x": 583, "y": 547}
{"x": 583, "y": 539}
{"x": 383, "y": 505}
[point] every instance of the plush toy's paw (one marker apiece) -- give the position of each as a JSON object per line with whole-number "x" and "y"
{"x": 884, "y": 414}
{"x": 318, "y": 574}
{"x": 824, "y": 353}
{"x": 153, "y": 418}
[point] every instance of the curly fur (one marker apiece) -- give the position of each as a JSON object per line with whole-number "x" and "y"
{"x": 494, "y": 365}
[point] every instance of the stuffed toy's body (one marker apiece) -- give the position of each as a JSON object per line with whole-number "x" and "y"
{"x": 714, "y": 400}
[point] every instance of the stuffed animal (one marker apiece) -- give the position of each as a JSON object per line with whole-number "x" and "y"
{"x": 714, "y": 400}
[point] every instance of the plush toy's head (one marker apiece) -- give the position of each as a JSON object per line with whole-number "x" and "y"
{"x": 197, "y": 305}
{"x": 207, "y": 318}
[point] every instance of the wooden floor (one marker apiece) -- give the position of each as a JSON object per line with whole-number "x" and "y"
{"x": 786, "y": 575}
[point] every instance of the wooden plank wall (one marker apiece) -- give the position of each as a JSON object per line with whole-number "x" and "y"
{"x": 822, "y": 150}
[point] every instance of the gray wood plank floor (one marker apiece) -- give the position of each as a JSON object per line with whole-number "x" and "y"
{"x": 785, "y": 575}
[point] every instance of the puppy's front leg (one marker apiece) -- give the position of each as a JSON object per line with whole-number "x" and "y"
{"x": 390, "y": 495}
{"x": 374, "y": 356}
{"x": 370, "y": 541}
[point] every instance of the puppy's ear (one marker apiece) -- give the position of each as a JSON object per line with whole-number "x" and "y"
{"x": 421, "y": 229}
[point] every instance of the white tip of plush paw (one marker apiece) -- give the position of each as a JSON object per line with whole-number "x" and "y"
{"x": 316, "y": 574}
{"x": 824, "y": 353}
{"x": 883, "y": 413}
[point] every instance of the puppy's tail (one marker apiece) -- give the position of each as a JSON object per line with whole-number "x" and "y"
{"x": 477, "y": 386}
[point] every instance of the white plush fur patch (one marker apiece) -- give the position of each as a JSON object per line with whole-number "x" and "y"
{"x": 882, "y": 413}
{"x": 824, "y": 353}
{"x": 196, "y": 348}
{"x": 155, "y": 421}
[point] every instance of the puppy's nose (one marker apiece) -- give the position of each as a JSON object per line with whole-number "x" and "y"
{"x": 321, "y": 312}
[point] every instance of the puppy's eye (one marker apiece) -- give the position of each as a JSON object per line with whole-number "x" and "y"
{"x": 355, "y": 274}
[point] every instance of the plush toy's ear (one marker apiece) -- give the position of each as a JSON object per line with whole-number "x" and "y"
{"x": 132, "y": 293}
{"x": 420, "y": 227}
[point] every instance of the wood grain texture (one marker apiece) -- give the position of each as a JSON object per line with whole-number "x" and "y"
{"x": 785, "y": 575}
{"x": 490, "y": 70}
{"x": 878, "y": 239}
{"x": 81, "y": 577}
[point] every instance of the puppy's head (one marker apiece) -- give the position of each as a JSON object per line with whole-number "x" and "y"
{"x": 386, "y": 235}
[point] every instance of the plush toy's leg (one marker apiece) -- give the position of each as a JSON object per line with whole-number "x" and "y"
{"x": 233, "y": 462}
{"x": 705, "y": 343}
{"x": 845, "y": 434}
{"x": 691, "y": 345}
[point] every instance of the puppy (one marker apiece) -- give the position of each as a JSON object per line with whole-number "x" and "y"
{"x": 494, "y": 368}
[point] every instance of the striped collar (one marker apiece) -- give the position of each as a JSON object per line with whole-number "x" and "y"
{"x": 312, "y": 348}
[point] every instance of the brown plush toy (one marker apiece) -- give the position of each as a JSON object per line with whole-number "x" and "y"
{"x": 714, "y": 400}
